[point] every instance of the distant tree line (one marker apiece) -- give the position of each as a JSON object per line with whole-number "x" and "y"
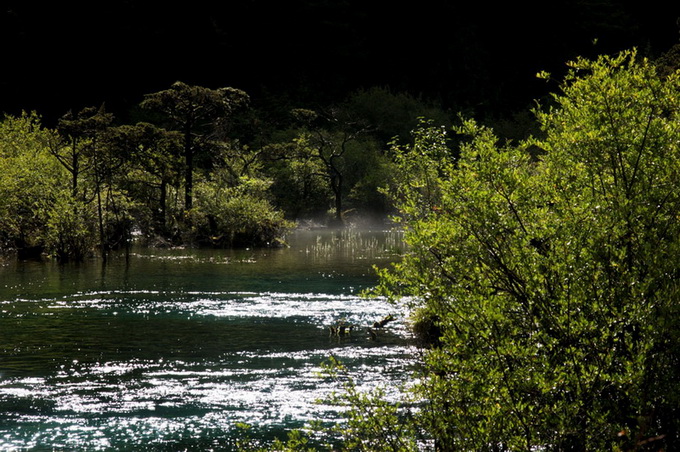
{"x": 197, "y": 166}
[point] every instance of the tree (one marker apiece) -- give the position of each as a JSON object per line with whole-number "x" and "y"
{"x": 236, "y": 214}
{"x": 71, "y": 228}
{"x": 296, "y": 185}
{"x": 80, "y": 134}
{"x": 233, "y": 205}
{"x": 83, "y": 150}
{"x": 200, "y": 114}
{"x": 392, "y": 115}
{"x": 152, "y": 157}
{"x": 546, "y": 273}
{"x": 332, "y": 136}
{"x": 29, "y": 182}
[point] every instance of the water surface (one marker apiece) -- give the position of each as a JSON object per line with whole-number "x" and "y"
{"x": 170, "y": 349}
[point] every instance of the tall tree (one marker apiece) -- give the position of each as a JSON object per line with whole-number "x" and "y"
{"x": 331, "y": 136}
{"x": 81, "y": 150}
{"x": 200, "y": 114}
{"x": 80, "y": 134}
{"x": 152, "y": 155}
{"x": 29, "y": 181}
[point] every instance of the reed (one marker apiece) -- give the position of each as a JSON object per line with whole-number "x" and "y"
{"x": 357, "y": 244}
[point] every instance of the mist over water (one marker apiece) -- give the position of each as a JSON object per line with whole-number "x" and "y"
{"x": 170, "y": 349}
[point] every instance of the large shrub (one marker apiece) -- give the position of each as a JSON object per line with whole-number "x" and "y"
{"x": 549, "y": 270}
{"x": 29, "y": 181}
{"x": 71, "y": 229}
{"x": 235, "y": 215}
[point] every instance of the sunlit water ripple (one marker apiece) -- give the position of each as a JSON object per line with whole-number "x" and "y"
{"x": 176, "y": 369}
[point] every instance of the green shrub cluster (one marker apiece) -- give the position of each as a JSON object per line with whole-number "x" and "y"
{"x": 550, "y": 270}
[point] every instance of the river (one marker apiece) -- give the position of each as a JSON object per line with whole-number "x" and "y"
{"x": 169, "y": 349}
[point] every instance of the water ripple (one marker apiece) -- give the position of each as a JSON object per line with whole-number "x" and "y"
{"x": 164, "y": 368}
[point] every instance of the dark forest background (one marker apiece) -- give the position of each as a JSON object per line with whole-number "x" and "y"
{"x": 477, "y": 56}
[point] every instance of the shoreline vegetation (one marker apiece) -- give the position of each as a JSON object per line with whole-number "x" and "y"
{"x": 200, "y": 167}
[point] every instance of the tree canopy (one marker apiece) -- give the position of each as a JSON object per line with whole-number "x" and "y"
{"x": 245, "y": 174}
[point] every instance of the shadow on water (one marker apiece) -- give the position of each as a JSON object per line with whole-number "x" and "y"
{"x": 172, "y": 347}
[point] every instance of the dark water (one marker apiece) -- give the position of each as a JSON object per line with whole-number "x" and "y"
{"x": 170, "y": 349}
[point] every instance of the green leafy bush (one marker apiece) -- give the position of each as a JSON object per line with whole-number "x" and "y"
{"x": 550, "y": 270}
{"x": 71, "y": 228}
{"x": 29, "y": 180}
{"x": 240, "y": 215}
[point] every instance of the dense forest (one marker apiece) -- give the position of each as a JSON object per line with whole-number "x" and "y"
{"x": 198, "y": 167}
{"x": 467, "y": 55}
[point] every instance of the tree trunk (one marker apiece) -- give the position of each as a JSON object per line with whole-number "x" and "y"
{"x": 74, "y": 169}
{"x": 336, "y": 185}
{"x": 161, "y": 220}
{"x": 189, "y": 171}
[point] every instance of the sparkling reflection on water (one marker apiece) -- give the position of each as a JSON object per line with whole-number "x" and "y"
{"x": 171, "y": 349}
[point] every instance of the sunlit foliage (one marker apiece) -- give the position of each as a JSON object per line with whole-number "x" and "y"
{"x": 549, "y": 270}
{"x": 30, "y": 180}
